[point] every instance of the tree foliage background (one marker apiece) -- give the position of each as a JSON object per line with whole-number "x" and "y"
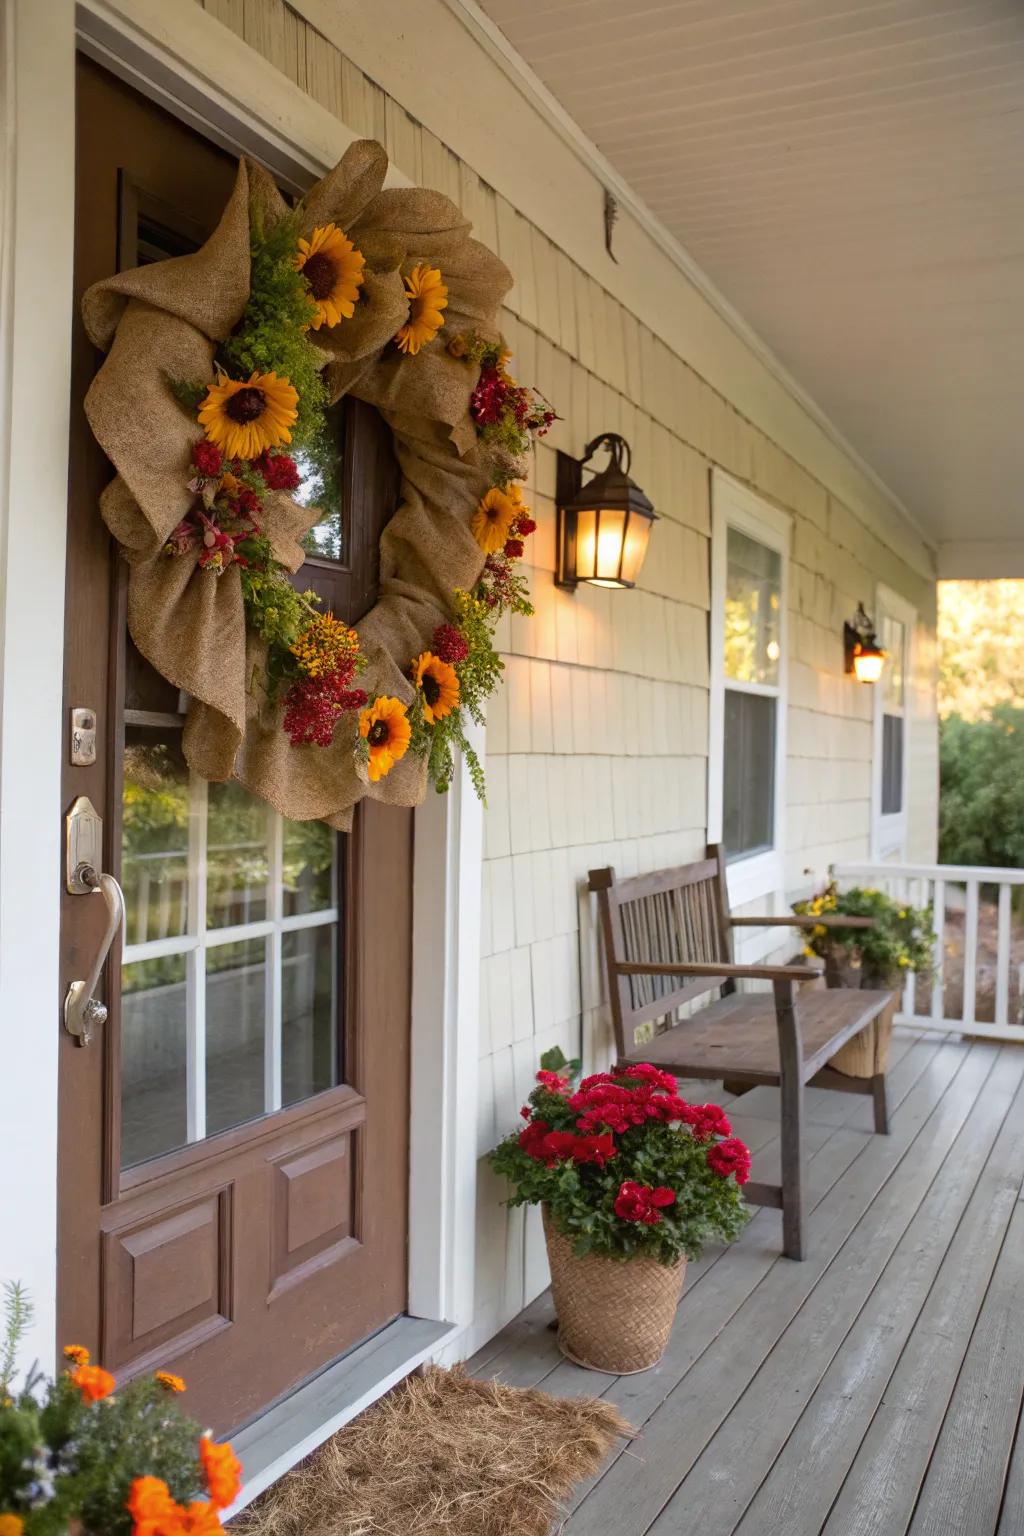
{"x": 981, "y": 707}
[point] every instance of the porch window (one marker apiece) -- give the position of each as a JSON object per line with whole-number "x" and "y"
{"x": 745, "y": 793}
{"x": 895, "y": 627}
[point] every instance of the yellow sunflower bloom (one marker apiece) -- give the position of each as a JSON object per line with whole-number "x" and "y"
{"x": 439, "y": 684}
{"x": 427, "y": 296}
{"x": 245, "y": 418}
{"x": 493, "y": 520}
{"x": 385, "y": 727}
{"x": 333, "y": 268}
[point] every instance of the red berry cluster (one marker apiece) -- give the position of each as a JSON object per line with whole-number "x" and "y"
{"x": 314, "y": 704}
{"x": 450, "y": 644}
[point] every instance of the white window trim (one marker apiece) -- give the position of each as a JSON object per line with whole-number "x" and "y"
{"x": 735, "y": 505}
{"x": 889, "y": 833}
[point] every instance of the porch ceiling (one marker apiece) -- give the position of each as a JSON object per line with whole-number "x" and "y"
{"x": 850, "y": 174}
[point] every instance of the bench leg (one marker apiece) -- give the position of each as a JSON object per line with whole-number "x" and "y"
{"x": 881, "y": 1104}
{"x": 792, "y": 1090}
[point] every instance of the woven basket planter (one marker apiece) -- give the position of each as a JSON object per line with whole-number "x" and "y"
{"x": 614, "y": 1315}
{"x": 867, "y": 1054}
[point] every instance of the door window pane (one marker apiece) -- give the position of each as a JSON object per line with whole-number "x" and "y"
{"x": 237, "y": 857}
{"x": 236, "y": 1017}
{"x": 308, "y": 868}
{"x": 155, "y": 831}
{"x": 753, "y": 605}
{"x": 153, "y": 1060}
{"x": 893, "y": 638}
{"x": 748, "y": 821}
{"x": 892, "y": 764}
{"x": 308, "y": 1028}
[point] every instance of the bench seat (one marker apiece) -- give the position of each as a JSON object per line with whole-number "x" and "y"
{"x": 738, "y": 1038}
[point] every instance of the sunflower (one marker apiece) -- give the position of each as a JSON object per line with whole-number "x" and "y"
{"x": 333, "y": 268}
{"x": 439, "y": 684}
{"x": 427, "y": 297}
{"x": 385, "y": 726}
{"x": 493, "y": 519}
{"x": 245, "y": 418}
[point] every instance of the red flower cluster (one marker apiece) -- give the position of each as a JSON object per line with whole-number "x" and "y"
{"x": 730, "y": 1156}
{"x": 554, "y": 1081}
{"x": 499, "y": 402}
{"x": 207, "y": 459}
{"x": 549, "y": 1147}
{"x": 279, "y": 471}
{"x": 450, "y": 644}
{"x": 639, "y": 1202}
{"x": 313, "y": 705}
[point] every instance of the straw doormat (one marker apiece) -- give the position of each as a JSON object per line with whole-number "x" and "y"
{"x": 443, "y": 1455}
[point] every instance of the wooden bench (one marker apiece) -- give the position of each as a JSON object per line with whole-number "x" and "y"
{"x": 668, "y": 940}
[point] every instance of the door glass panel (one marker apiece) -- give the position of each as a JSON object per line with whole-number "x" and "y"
{"x": 309, "y": 987}
{"x": 753, "y": 610}
{"x": 749, "y": 782}
{"x": 236, "y": 1017}
{"x": 154, "y": 1104}
{"x": 219, "y": 1028}
{"x": 309, "y": 867}
{"x": 154, "y": 858}
{"x": 237, "y": 857}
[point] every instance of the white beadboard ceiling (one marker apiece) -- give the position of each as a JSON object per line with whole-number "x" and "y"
{"x": 850, "y": 174}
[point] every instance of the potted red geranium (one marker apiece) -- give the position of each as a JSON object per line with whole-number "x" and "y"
{"x": 631, "y": 1180}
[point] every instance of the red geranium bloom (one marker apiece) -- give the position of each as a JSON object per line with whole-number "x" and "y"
{"x": 707, "y": 1120}
{"x": 514, "y": 548}
{"x": 524, "y": 526}
{"x": 553, "y": 1081}
{"x": 730, "y": 1156}
{"x": 594, "y": 1149}
{"x": 531, "y": 1138}
{"x": 644, "y": 1072}
{"x": 639, "y": 1202}
{"x": 207, "y": 458}
{"x": 279, "y": 471}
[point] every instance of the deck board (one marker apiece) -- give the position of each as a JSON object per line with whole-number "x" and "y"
{"x": 876, "y": 1388}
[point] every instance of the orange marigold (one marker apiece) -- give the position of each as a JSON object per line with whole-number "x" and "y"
{"x": 152, "y": 1508}
{"x": 222, "y": 1470}
{"x": 325, "y": 646}
{"x": 77, "y": 1354}
{"x": 11, "y": 1525}
{"x": 200, "y": 1519}
{"x": 170, "y": 1381}
{"x": 93, "y": 1382}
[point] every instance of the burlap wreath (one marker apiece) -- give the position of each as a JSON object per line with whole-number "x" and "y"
{"x": 162, "y": 322}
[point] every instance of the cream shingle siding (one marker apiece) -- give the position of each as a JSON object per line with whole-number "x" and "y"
{"x": 597, "y": 744}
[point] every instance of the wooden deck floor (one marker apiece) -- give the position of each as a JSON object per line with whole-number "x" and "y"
{"x": 873, "y": 1389}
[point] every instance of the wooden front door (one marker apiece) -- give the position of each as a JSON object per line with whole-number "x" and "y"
{"x": 233, "y": 1141}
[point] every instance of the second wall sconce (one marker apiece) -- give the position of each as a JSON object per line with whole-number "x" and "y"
{"x": 603, "y": 526}
{"x": 865, "y": 658}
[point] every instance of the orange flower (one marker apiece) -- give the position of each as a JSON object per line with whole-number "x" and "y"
{"x": 493, "y": 519}
{"x": 170, "y": 1381}
{"x": 439, "y": 684}
{"x": 93, "y": 1382}
{"x": 385, "y": 727}
{"x": 200, "y": 1519}
{"x": 11, "y": 1525}
{"x": 77, "y": 1354}
{"x": 222, "y": 1470}
{"x": 152, "y": 1509}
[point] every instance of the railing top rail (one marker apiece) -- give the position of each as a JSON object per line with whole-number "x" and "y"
{"x": 984, "y": 874}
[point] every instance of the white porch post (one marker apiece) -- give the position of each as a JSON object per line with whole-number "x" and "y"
{"x": 37, "y": 44}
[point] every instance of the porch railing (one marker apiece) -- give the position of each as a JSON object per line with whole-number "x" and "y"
{"x": 980, "y": 899}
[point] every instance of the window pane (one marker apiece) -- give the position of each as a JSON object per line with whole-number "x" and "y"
{"x": 753, "y": 604}
{"x": 308, "y": 1033}
{"x": 236, "y": 1009}
{"x": 892, "y": 764}
{"x": 894, "y": 642}
{"x": 237, "y": 857}
{"x": 323, "y": 489}
{"x": 154, "y": 838}
{"x": 749, "y": 789}
{"x": 309, "y": 875}
{"x": 153, "y": 1118}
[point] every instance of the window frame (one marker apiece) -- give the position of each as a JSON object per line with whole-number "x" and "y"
{"x": 735, "y": 505}
{"x": 889, "y": 830}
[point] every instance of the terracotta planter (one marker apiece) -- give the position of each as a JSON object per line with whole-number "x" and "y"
{"x": 614, "y": 1315}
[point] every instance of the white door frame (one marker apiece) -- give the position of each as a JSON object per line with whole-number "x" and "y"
{"x": 169, "y": 53}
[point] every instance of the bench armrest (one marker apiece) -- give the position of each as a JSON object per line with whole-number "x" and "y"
{"x": 724, "y": 968}
{"x": 824, "y": 921}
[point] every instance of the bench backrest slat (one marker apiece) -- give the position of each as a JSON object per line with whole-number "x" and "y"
{"x": 670, "y": 917}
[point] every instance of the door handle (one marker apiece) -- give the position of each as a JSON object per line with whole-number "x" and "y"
{"x": 82, "y": 1011}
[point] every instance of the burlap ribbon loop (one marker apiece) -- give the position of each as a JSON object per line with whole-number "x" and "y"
{"x": 161, "y": 323}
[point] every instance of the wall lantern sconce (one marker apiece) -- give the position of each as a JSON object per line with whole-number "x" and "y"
{"x": 603, "y": 526}
{"x": 865, "y": 658}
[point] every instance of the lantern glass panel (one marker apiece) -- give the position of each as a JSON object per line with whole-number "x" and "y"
{"x": 611, "y": 532}
{"x": 638, "y": 531}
